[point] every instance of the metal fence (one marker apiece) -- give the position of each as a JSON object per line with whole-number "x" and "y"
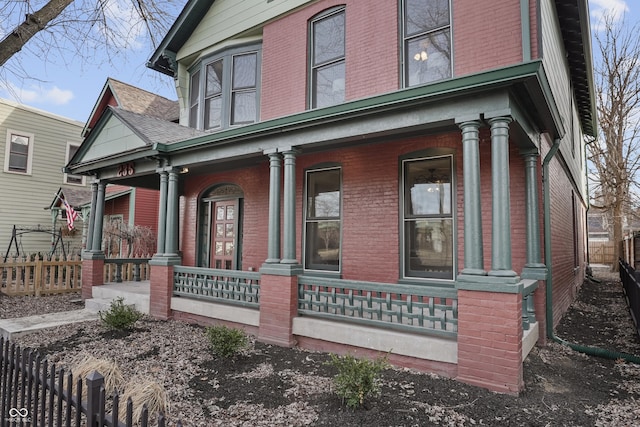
{"x": 631, "y": 284}
{"x": 36, "y": 393}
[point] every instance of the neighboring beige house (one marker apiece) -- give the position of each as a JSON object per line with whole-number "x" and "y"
{"x": 36, "y": 145}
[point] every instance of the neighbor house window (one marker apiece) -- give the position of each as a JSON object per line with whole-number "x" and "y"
{"x": 68, "y": 178}
{"x": 427, "y": 218}
{"x": 327, "y": 56}
{"x": 18, "y": 152}
{"x": 227, "y": 95}
{"x": 426, "y": 28}
{"x": 323, "y": 219}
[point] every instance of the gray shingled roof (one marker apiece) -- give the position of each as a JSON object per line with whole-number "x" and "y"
{"x": 140, "y": 101}
{"x": 153, "y": 130}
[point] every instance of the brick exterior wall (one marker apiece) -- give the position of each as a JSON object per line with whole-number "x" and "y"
{"x": 161, "y": 289}
{"x": 92, "y": 275}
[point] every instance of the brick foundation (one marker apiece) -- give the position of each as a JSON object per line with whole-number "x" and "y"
{"x": 160, "y": 291}
{"x": 278, "y": 307}
{"x": 92, "y": 275}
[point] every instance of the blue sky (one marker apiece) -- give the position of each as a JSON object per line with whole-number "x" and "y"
{"x": 69, "y": 87}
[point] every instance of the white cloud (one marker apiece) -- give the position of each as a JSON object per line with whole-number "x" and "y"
{"x": 599, "y": 8}
{"x": 36, "y": 94}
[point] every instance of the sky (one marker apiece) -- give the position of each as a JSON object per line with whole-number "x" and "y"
{"x": 70, "y": 87}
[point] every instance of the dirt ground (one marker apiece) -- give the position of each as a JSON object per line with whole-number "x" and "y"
{"x": 272, "y": 386}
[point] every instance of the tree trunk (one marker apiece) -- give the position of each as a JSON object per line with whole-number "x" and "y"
{"x": 617, "y": 235}
{"x": 32, "y": 24}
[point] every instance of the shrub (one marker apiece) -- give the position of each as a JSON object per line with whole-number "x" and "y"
{"x": 357, "y": 378}
{"x": 227, "y": 342}
{"x": 120, "y": 316}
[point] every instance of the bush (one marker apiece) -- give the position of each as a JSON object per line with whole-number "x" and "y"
{"x": 120, "y": 316}
{"x": 357, "y": 378}
{"x": 227, "y": 342}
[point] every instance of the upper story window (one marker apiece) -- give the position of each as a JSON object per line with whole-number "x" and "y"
{"x": 68, "y": 178}
{"x": 426, "y": 31}
{"x": 18, "y": 152}
{"x": 224, "y": 90}
{"x": 427, "y": 216}
{"x": 327, "y": 57}
{"x": 322, "y": 219}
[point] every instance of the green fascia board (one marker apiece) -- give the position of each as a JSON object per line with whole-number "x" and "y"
{"x": 390, "y": 101}
{"x": 191, "y": 15}
{"x": 583, "y": 7}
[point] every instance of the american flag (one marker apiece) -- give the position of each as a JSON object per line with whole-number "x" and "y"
{"x": 72, "y": 215}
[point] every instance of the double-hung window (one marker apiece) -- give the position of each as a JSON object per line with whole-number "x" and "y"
{"x": 69, "y": 178}
{"x": 426, "y": 31}
{"x": 427, "y": 218}
{"x": 224, "y": 90}
{"x": 18, "y": 152}
{"x": 323, "y": 219}
{"x": 327, "y": 56}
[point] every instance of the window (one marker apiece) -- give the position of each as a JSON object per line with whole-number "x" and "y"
{"x": 228, "y": 93}
{"x": 323, "y": 219}
{"x": 18, "y": 152}
{"x": 427, "y": 41}
{"x": 427, "y": 218}
{"x": 68, "y": 178}
{"x": 327, "y": 80}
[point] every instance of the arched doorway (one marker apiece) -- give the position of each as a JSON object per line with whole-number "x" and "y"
{"x": 220, "y": 225}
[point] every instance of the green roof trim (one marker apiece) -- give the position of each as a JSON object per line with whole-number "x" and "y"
{"x": 393, "y": 100}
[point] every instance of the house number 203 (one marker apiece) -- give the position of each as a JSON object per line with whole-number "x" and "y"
{"x": 126, "y": 169}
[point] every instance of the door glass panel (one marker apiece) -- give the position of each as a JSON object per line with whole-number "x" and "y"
{"x": 220, "y": 214}
{"x": 230, "y": 212}
{"x": 219, "y": 230}
{"x": 229, "y": 231}
{"x": 218, "y": 248}
{"x": 228, "y": 248}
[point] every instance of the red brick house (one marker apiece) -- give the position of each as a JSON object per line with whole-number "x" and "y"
{"x": 350, "y": 178}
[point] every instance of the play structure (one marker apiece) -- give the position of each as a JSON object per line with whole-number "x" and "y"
{"x": 16, "y": 239}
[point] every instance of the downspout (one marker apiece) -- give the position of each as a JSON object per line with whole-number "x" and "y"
{"x": 592, "y": 351}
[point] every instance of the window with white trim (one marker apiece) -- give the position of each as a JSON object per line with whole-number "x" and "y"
{"x": 327, "y": 58}
{"x": 427, "y": 218}
{"x": 18, "y": 152}
{"x": 224, "y": 89}
{"x": 69, "y": 178}
{"x": 426, "y": 35}
{"x": 323, "y": 219}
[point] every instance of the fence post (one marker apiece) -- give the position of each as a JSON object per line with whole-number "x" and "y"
{"x": 38, "y": 276}
{"x": 95, "y": 382}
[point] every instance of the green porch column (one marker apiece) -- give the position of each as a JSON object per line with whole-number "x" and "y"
{"x": 162, "y": 212}
{"x": 473, "y": 253}
{"x": 96, "y": 238}
{"x": 92, "y": 216}
{"x": 173, "y": 200}
{"x": 275, "y": 168}
{"x": 289, "y": 232}
{"x": 501, "y": 203}
{"x": 532, "y": 213}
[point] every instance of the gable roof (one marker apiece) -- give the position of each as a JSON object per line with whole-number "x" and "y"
{"x": 163, "y": 59}
{"x": 118, "y": 94}
{"x": 154, "y": 130}
{"x": 75, "y": 196}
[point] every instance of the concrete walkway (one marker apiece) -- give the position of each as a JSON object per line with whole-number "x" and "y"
{"x": 10, "y": 328}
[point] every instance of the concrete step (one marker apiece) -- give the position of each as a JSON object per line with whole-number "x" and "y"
{"x": 95, "y": 305}
{"x": 23, "y": 325}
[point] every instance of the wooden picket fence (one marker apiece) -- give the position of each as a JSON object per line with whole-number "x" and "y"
{"x": 36, "y": 393}
{"x": 601, "y": 253}
{"x": 40, "y": 276}
{"x": 45, "y": 275}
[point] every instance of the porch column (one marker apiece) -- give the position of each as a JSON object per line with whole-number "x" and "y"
{"x": 173, "y": 201}
{"x": 162, "y": 212}
{"x": 534, "y": 268}
{"x": 93, "y": 257}
{"x": 501, "y": 204}
{"x": 96, "y": 238}
{"x": 275, "y": 166}
{"x": 473, "y": 253}
{"x": 289, "y": 234}
{"x": 279, "y": 280}
{"x": 92, "y": 216}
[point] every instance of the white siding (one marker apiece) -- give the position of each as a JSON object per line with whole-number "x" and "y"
{"x": 25, "y": 197}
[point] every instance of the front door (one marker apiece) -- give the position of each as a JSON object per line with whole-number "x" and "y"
{"x": 224, "y": 235}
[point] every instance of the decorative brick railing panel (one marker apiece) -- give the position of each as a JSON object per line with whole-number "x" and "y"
{"x": 402, "y": 307}
{"x": 226, "y": 286}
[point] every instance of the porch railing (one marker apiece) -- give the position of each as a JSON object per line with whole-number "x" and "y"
{"x": 528, "y": 308}
{"x": 403, "y": 307}
{"x": 228, "y": 286}
{"x": 126, "y": 269}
